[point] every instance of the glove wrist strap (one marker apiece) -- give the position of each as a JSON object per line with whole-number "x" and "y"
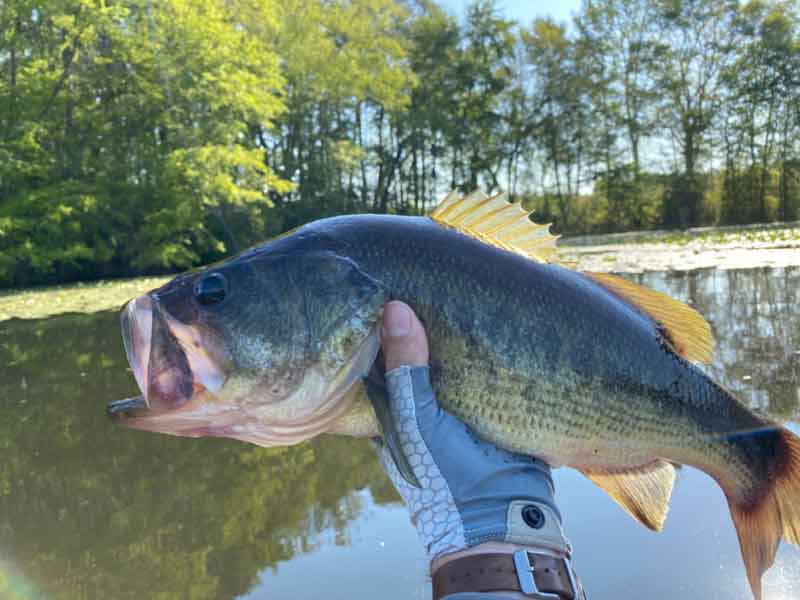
{"x": 536, "y": 576}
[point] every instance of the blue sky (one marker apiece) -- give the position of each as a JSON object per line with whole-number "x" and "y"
{"x": 523, "y": 10}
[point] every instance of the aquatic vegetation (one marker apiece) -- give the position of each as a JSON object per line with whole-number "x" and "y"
{"x": 40, "y": 302}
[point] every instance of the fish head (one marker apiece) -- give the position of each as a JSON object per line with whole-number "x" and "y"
{"x": 263, "y": 348}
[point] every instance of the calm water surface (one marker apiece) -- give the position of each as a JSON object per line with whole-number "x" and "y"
{"x": 88, "y": 510}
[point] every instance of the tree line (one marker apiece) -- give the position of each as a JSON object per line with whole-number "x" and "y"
{"x": 144, "y": 136}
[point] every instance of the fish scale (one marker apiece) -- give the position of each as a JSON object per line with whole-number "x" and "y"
{"x": 580, "y": 369}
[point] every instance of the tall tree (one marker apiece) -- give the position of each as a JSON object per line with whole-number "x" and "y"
{"x": 134, "y": 118}
{"x": 346, "y": 74}
{"x": 431, "y": 116}
{"x": 484, "y": 75}
{"x": 697, "y": 46}
{"x": 621, "y": 44}
{"x": 761, "y": 87}
{"x": 563, "y": 115}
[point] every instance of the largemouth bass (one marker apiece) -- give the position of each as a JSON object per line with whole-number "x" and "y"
{"x": 583, "y": 370}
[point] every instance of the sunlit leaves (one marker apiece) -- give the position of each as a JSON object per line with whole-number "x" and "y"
{"x": 156, "y": 135}
{"x": 123, "y": 125}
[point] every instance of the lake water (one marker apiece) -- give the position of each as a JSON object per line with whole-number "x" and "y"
{"x": 89, "y": 510}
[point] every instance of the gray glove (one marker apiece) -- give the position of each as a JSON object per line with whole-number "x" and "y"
{"x": 471, "y": 491}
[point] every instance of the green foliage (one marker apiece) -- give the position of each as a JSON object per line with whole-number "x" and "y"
{"x": 148, "y": 137}
{"x": 763, "y": 123}
{"x": 346, "y": 74}
{"x": 125, "y": 127}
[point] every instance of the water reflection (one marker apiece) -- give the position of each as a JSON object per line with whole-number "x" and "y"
{"x": 88, "y": 510}
{"x": 756, "y": 320}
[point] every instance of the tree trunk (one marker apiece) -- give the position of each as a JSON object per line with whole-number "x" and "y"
{"x": 690, "y": 200}
{"x": 765, "y": 160}
{"x": 363, "y": 165}
{"x": 784, "y": 176}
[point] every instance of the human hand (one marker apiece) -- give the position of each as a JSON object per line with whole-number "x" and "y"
{"x": 476, "y": 503}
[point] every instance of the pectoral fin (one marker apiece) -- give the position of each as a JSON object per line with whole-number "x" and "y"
{"x": 380, "y": 404}
{"x": 643, "y": 492}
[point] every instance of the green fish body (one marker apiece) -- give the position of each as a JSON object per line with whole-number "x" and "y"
{"x": 535, "y": 357}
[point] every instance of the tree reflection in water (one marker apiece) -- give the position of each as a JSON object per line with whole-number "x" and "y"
{"x": 755, "y": 317}
{"x": 89, "y": 510}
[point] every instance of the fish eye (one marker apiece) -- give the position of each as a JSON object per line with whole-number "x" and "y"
{"x": 211, "y": 289}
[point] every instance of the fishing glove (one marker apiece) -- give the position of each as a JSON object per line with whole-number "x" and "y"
{"x": 493, "y": 508}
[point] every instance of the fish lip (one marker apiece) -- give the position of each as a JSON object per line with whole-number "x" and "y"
{"x": 157, "y": 359}
{"x": 136, "y": 320}
{"x": 133, "y": 413}
{"x": 127, "y": 407}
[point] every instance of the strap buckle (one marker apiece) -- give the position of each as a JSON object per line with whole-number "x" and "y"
{"x": 527, "y": 583}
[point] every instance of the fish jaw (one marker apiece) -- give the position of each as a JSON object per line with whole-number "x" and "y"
{"x": 171, "y": 361}
{"x": 209, "y": 415}
{"x": 175, "y": 370}
{"x": 136, "y": 320}
{"x": 231, "y": 406}
{"x": 206, "y": 362}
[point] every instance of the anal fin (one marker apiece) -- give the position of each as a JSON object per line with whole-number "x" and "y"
{"x": 643, "y": 492}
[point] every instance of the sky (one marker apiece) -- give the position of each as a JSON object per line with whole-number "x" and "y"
{"x": 523, "y": 11}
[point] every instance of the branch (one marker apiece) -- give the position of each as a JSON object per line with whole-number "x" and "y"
{"x": 69, "y": 57}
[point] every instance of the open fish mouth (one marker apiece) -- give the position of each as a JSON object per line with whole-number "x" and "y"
{"x": 181, "y": 369}
{"x": 137, "y": 324}
{"x": 167, "y": 374}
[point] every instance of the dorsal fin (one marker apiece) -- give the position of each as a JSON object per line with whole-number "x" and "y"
{"x": 643, "y": 492}
{"x": 497, "y": 222}
{"x": 684, "y": 328}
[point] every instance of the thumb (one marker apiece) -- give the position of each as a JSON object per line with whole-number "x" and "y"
{"x": 403, "y": 337}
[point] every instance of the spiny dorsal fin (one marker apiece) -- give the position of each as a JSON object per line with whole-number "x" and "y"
{"x": 496, "y": 221}
{"x": 643, "y": 492}
{"x": 685, "y": 329}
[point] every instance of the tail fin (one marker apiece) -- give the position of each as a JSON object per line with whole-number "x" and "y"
{"x": 773, "y": 513}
